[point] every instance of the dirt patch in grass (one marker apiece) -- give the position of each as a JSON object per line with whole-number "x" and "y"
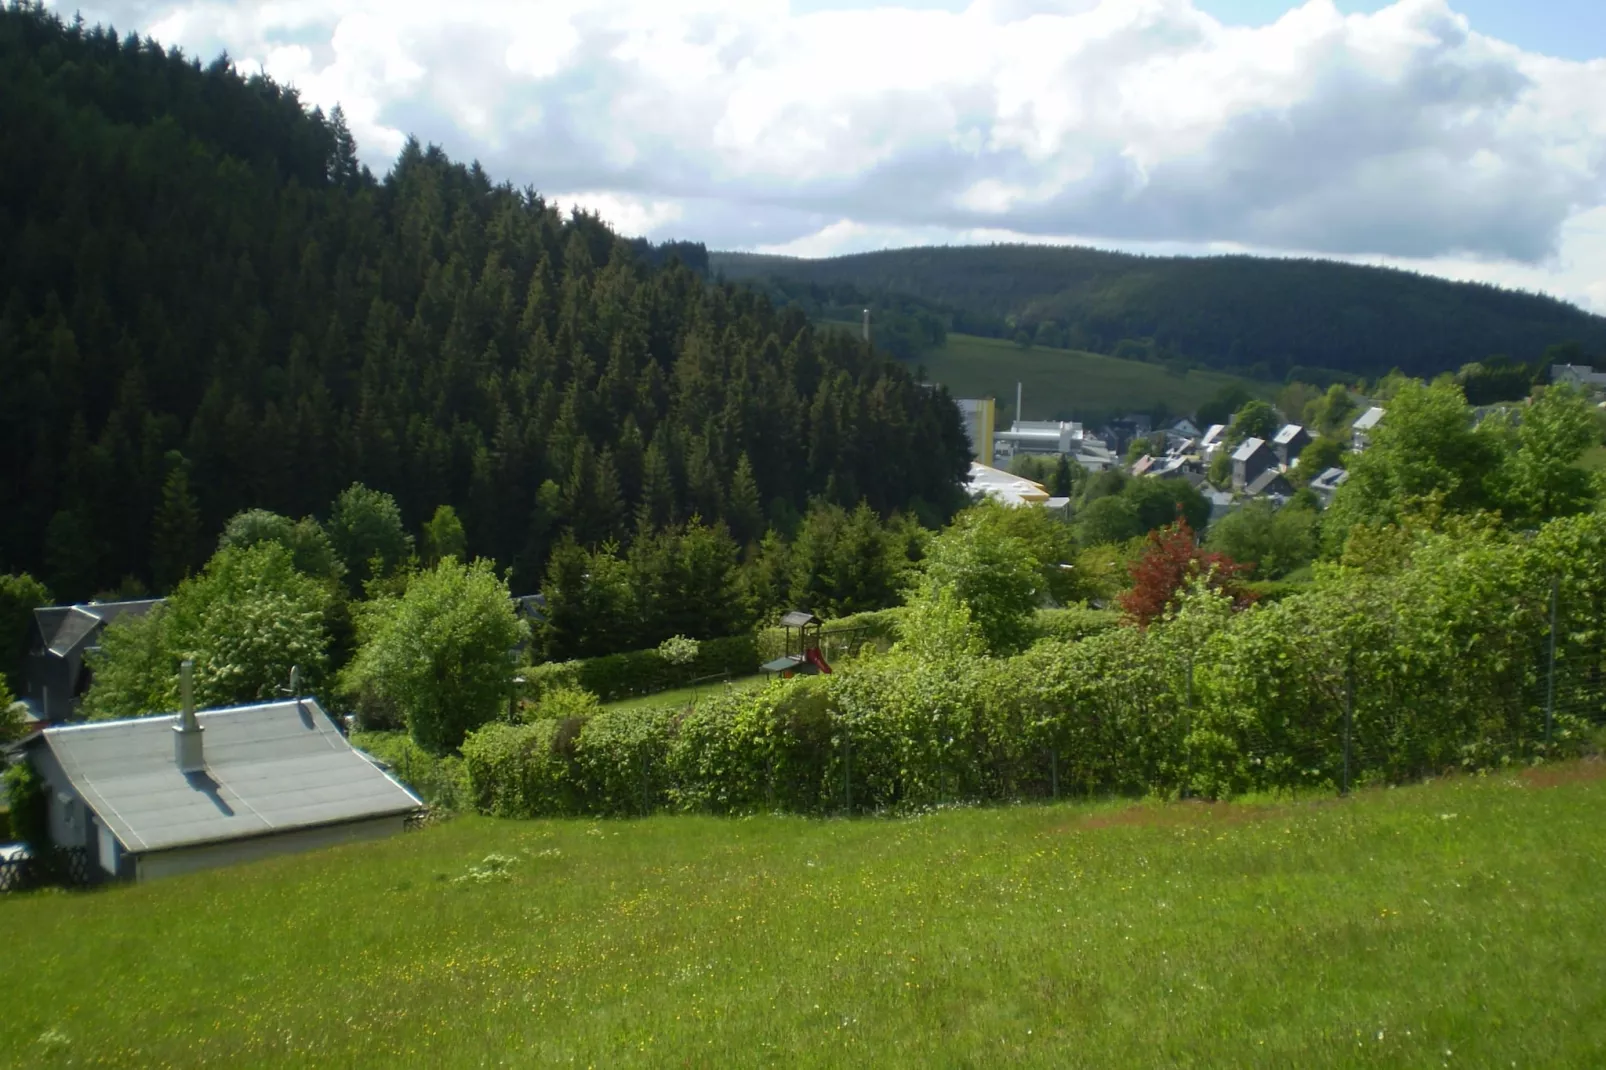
{"x": 1171, "y": 815}
{"x": 1551, "y": 776}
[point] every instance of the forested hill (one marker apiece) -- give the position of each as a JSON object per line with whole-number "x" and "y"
{"x": 207, "y": 305}
{"x": 1264, "y": 317}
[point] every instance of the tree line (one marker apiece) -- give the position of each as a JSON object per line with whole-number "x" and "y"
{"x": 207, "y": 305}
{"x": 1275, "y": 319}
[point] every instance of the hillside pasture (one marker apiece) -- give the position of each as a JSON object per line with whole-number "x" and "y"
{"x": 1069, "y": 384}
{"x": 1451, "y": 923}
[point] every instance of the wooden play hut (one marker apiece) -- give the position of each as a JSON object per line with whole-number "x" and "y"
{"x": 802, "y": 655}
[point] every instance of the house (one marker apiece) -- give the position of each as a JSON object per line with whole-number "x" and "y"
{"x": 1583, "y": 376}
{"x": 1172, "y": 467}
{"x": 1289, "y": 443}
{"x": 1221, "y": 501}
{"x": 1185, "y": 428}
{"x": 1051, "y": 438}
{"x": 1361, "y": 430}
{"x": 1326, "y": 485}
{"x": 1251, "y": 458}
{"x": 1269, "y": 484}
{"x": 58, "y": 640}
{"x": 1142, "y": 465}
{"x": 1213, "y": 439}
{"x": 157, "y": 796}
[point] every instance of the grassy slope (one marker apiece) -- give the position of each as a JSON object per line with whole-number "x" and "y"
{"x": 687, "y": 696}
{"x": 1064, "y": 382}
{"x": 1462, "y": 917}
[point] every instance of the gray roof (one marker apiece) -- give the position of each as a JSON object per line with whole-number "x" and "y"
{"x": 1330, "y": 479}
{"x": 799, "y": 618}
{"x": 64, "y": 628}
{"x": 270, "y": 767}
{"x": 1368, "y": 419}
{"x": 1264, "y": 483}
{"x": 1288, "y": 434}
{"x": 1247, "y": 448}
{"x": 1212, "y": 434}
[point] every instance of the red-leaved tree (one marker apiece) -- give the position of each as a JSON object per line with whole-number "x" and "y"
{"x": 1170, "y": 562}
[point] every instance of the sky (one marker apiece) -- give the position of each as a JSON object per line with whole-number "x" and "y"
{"x": 1463, "y": 138}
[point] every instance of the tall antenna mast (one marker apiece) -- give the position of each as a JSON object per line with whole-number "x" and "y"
{"x": 866, "y": 325}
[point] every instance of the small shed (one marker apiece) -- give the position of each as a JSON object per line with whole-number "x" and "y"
{"x": 143, "y": 798}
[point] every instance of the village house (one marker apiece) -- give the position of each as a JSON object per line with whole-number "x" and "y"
{"x": 157, "y": 796}
{"x": 1361, "y": 430}
{"x": 1252, "y": 457}
{"x": 1289, "y": 443}
{"x": 1327, "y": 483}
{"x": 59, "y": 639}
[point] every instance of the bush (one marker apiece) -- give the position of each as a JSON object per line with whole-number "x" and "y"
{"x": 644, "y": 672}
{"x": 440, "y": 781}
{"x": 27, "y": 801}
{"x": 562, "y": 703}
{"x": 1075, "y": 623}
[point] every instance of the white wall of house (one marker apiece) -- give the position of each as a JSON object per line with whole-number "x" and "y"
{"x": 232, "y": 852}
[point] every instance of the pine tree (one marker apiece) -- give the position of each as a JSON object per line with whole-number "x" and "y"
{"x": 176, "y": 532}
{"x": 742, "y": 508}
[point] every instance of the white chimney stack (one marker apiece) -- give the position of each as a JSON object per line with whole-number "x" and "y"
{"x": 1017, "y": 401}
{"x": 187, "y": 733}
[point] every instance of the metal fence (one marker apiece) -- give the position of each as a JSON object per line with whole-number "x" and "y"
{"x": 62, "y": 866}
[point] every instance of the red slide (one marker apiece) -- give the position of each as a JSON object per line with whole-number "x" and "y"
{"x": 816, "y": 659}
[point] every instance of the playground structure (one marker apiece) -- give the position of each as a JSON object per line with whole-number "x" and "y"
{"x": 802, "y": 655}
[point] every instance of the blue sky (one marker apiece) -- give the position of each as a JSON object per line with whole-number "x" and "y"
{"x": 1349, "y": 129}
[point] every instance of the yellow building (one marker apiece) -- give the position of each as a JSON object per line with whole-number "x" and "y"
{"x": 979, "y": 416}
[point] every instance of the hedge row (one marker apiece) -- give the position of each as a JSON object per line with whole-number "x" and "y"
{"x": 1441, "y": 664}
{"x": 643, "y": 672}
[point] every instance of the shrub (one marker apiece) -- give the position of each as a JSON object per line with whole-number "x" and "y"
{"x": 441, "y": 781}
{"x": 563, "y": 703}
{"x": 644, "y": 672}
{"x": 1074, "y": 623}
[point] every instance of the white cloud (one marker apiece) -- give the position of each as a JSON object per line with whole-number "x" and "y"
{"x": 630, "y": 216}
{"x": 1403, "y": 135}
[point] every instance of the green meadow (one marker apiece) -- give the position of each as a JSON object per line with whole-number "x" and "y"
{"x": 1455, "y": 923}
{"x": 1066, "y": 383}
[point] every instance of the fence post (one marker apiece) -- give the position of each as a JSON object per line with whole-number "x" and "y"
{"x": 847, "y": 765}
{"x": 1550, "y": 675}
{"x": 1349, "y": 714}
{"x": 1054, "y": 771}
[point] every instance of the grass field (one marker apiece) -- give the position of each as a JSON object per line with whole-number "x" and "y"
{"x": 1457, "y": 923}
{"x": 685, "y": 696}
{"x": 1066, "y": 383}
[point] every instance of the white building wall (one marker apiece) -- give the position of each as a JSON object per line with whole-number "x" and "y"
{"x": 233, "y": 852}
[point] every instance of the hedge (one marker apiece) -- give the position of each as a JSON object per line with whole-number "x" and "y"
{"x": 1441, "y": 664}
{"x": 1075, "y": 622}
{"x": 643, "y": 672}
